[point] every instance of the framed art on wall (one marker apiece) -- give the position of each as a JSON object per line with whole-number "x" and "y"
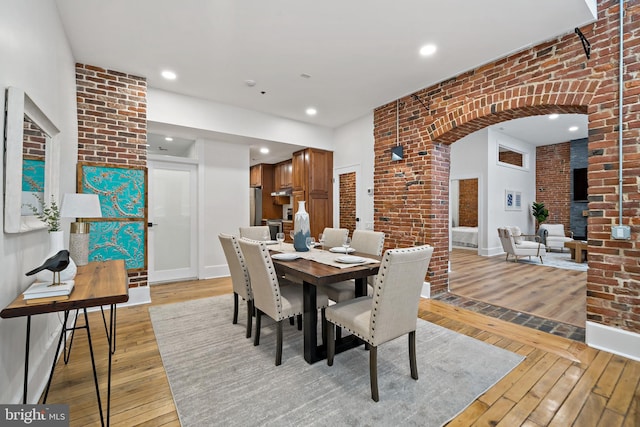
{"x": 512, "y": 200}
{"x": 121, "y": 233}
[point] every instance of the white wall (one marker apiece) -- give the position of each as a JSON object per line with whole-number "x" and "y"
{"x": 189, "y": 112}
{"x": 353, "y": 149}
{"x": 476, "y": 156}
{"x": 468, "y": 160}
{"x": 224, "y": 200}
{"x": 503, "y": 177}
{"x": 35, "y": 57}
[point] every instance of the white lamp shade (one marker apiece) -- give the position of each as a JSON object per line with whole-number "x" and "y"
{"x": 80, "y": 205}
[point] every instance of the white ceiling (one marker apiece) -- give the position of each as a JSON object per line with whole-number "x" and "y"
{"x": 360, "y": 54}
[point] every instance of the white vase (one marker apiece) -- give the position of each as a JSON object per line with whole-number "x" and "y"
{"x": 301, "y": 229}
{"x": 56, "y": 244}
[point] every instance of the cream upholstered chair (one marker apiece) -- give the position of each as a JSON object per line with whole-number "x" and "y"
{"x": 257, "y": 232}
{"x": 514, "y": 243}
{"x": 368, "y": 242}
{"x": 277, "y": 302}
{"x": 391, "y": 312}
{"x": 334, "y": 236}
{"x": 554, "y": 236}
{"x": 239, "y": 277}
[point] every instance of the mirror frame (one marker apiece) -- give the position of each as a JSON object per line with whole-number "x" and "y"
{"x": 18, "y": 104}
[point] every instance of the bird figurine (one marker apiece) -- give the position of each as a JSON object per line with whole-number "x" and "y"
{"x": 55, "y": 264}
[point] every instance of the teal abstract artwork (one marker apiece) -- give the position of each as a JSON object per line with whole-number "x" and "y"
{"x": 33, "y": 175}
{"x": 111, "y": 240}
{"x": 121, "y": 191}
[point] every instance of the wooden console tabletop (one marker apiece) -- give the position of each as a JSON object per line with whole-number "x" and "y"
{"x": 96, "y": 284}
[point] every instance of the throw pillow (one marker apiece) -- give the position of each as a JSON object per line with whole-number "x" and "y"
{"x": 517, "y": 235}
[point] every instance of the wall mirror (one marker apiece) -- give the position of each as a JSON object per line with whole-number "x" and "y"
{"x": 31, "y": 162}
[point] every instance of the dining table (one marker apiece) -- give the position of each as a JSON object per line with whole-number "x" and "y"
{"x": 316, "y": 268}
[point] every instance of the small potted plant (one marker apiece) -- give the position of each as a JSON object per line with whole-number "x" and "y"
{"x": 539, "y": 212}
{"x": 50, "y": 215}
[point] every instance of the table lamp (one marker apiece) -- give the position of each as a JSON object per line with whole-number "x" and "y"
{"x": 80, "y": 206}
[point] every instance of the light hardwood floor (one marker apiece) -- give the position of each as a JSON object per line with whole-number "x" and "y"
{"x": 560, "y": 383}
{"x": 548, "y": 292}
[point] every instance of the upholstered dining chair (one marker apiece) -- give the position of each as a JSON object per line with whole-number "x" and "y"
{"x": 239, "y": 277}
{"x": 368, "y": 242}
{"x": 391, "y": 312}
{"x": 334, "y": 236}
{"x": 277, "y": 302}
{"x": 257, "y": 232}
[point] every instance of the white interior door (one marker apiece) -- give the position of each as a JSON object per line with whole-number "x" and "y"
{"x": 172, "y": 221}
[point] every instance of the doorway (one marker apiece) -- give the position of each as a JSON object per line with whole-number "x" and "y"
{"x": 172, "y": 221}
{"x": 346, "y": 215}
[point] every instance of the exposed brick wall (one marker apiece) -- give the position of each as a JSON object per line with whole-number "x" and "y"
{"x": 468, "y": 203}
{"x": 348, "y": 201}
{"x": 112, "y": 123}
{"x": 33, "y": 141}
{"x": 553, "y": 182}
{"x": 554, "y": 77}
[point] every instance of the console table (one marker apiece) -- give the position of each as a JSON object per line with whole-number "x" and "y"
{"x": 96, "y": 284}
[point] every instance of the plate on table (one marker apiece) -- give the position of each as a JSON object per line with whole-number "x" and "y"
{"x": 350, "y": 259}
{"x": 340, "y": 250}
{"x": 285, "y": 257}
{"x": 270, "y": 242}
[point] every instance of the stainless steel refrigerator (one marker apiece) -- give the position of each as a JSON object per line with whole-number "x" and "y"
{"x": 255, "y": 206}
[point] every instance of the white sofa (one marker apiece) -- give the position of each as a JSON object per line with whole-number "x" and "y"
{"x": 554, "y": 237}
{"x": 514, "y": 243}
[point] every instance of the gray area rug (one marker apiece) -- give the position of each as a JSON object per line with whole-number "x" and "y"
{"x": 556, "y": 259}
{"x": 218, "y": 377}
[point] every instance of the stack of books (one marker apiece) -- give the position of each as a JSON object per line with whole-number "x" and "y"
{"x": 41, "y": 292}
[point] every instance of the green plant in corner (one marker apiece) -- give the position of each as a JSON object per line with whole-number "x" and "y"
{"x": 50, "y": 215}
{"x": 539, "y": 212}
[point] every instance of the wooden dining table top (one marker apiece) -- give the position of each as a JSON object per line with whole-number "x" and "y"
{"x": 317, "y": 273}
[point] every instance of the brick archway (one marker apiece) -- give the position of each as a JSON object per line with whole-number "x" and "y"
{"x": 412, "y": 195}
{"x": 416, "y": 208}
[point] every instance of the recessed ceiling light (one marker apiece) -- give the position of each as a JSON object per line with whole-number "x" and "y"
{"x": 264, "y": 150}
{"x": 311, "y": 111}
{"x": 169, "y": 75}
{"x": 553, "y": 116}
{"x": 428, "y": 49}
{"x": 573, "y": 128}
{"x": 168, "y": 138}
{"x": 250, "y": 83}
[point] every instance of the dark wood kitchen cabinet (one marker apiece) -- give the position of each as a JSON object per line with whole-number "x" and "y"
{"x": 262, "y": 176}
{"x": 312, "y": 181}
{"x": 282, "y": 175}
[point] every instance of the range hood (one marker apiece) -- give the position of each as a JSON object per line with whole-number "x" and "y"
{"x": 285, "y": 193}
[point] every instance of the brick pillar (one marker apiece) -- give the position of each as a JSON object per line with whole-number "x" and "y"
{"x": 112, "y": 123}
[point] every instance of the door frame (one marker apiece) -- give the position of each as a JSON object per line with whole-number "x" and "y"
{"x": 191, "y": 165}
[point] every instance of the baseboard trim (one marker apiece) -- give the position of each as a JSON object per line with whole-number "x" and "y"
{"x": 614, "y": 340}
{"x": 137, "y": 296}
{"x": 426, "y": 290}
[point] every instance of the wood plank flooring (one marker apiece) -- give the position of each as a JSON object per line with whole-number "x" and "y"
{"x": 560, "y": 383}
{"x": 547, "y": 292}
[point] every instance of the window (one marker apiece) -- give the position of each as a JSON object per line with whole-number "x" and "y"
{"x": 580, "y": 184}
{"x": 509, "y": 156}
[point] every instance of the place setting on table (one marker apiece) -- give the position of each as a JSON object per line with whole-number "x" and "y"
{"x": 339, "y": 257}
